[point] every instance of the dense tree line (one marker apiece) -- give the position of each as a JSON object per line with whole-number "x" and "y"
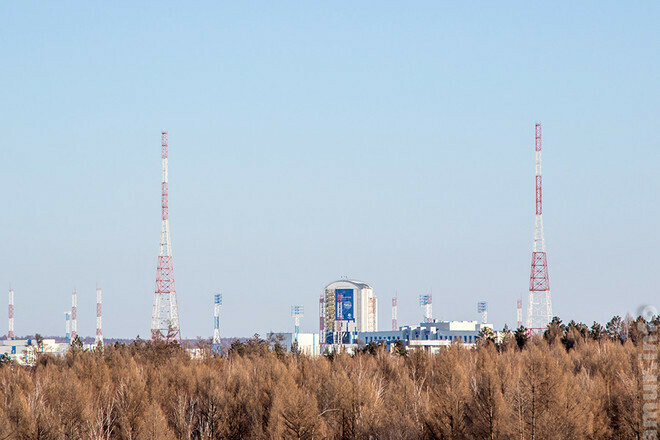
{"x": 574, "y": 382}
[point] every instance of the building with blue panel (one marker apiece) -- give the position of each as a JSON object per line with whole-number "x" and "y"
{"x": 429, "y": 335}
{"x": 348, "y": 308}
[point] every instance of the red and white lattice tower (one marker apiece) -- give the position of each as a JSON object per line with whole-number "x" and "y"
{"x": 165, "y": 316}
{"x": 10, "y": 332}
{"x": 74, "y": 315}
{"x": 395, "y": 323}
{"x": 99, "y": 333}
{"x": 539, "y": 312}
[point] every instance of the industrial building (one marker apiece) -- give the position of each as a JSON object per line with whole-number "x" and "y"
{"x": 429, "y": 335}
{"x": 347, "y": 307}
{"x": 308, "y": 343}
{"x": 24, "y": 351}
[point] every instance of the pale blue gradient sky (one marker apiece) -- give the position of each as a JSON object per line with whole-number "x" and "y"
{"x": 389, "y": 142}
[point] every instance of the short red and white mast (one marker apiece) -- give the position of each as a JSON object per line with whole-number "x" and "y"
{"x": 395, "y": 323}
{"x": 10, "y": 332}
{"x": 74, "y": 315}
{"x": 99, "y": 333}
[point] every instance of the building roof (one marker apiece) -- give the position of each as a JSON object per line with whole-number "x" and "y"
{"x": 358, "y": 284}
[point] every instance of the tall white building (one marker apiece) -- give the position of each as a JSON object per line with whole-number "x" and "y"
{"x": 350, "y": 307}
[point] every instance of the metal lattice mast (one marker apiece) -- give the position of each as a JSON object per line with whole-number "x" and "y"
{"x": 482, "y": 307}
{"x": 395, "y": 323}
{"x": 10, "y": 311}
{"x": 67, "y": 318}
{"x": 426, "y": 301}
{"x": 99, "y": 333}
{"x": 539, "y": 312}
{"x": 165, "y": 316}
{"x": 74, "y": 315}
{"x": 297, "y": 312}
{"x": 322, "y": 317}
{"x": 519, "y": 315}
{"x": 217, "y": 302}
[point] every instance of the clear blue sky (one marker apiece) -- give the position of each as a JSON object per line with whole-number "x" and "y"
{"x": 388, "y": 142}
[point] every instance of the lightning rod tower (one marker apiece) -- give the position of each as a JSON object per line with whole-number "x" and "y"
{"x": 217, "y": 302}
{"x": 539, "y": 312}
{"x": 10, "y": 332}
{"x": 426, "y": 301}
{"x": 322, "y": 315}
{"x": 165, "y": 316}
{"x": 482, "y": 308}
{"x": 395, "y": 323}
{"x": 99, "y": 333}
{"x": 297, "y": 312}
{"x": 67, "y": 318}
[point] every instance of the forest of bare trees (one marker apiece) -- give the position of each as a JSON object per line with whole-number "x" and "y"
{"x": 574, "y": 382}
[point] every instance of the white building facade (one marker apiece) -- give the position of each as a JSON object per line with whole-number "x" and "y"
{"x": 430, "y": 336}
{"x": 349, "y": 307}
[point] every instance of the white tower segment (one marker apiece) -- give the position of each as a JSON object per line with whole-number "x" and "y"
{"x": 67, "y": 318}
{"x": 482, "y": 308}
{"x": 217, "y": 303}
{"x": 426, "y": 301}
{"x": 395, "y": 322}
{"x": 74, "y": 315}
{"x": 99, "y": 333}
{"x": 10, "y": 332}
{"x": 297, "y": 312}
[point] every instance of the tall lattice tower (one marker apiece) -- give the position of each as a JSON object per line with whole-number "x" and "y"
{"x": 165, "y": 316}
{"x": 539, "y": 312}
{"x": 217, "y": 303}
{"x": 98, "y": 341}
{"x": 10, "y": 332}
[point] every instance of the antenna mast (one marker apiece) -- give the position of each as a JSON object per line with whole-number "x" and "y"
{"x": 74, "y": 315}
{"x": 217, "y": 302}
{"x": 395, "y": 323}
{"x": 10, "y": 332}
{"x": 99, "y": 333}
{"x": 165, "y": 316}
{"x": 539, "y": 312}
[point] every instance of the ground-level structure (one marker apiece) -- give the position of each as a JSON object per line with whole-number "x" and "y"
{"x": 24, "y": 351}
{"x": 429, "y": 336}
{"x": 307, "y": 343}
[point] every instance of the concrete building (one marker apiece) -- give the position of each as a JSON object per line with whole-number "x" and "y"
{"x": 308, "y": 343}
{"x": 349, "y": 307}
{"x": 24, "y": 351}
{"x": 430, "y": 336}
